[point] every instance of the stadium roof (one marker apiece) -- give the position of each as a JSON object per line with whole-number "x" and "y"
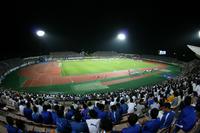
{"x": 195, "y": 49}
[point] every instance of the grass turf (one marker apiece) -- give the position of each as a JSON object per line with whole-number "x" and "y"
{"x": 15, "y": 81}
{"x": 90, "y": 66}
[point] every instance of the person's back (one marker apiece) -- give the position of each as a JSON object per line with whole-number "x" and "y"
{"x": 28, "y": 112}
{"x": 62, "y": 124}
{"x": 78, "y": 126}
{"x": 153, "y": 125}
{"x": 133, "y": 128}
{"x": 187, "y": 118}
{"x": 10, "y": 128}
{"x": 46, "y": 116}
{"x": 168, "y": 116}
{"x": 93, "y": 123}
{"x": 36, "y": 117}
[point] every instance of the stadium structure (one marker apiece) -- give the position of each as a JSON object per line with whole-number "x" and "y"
{"x": 104, "y": 82}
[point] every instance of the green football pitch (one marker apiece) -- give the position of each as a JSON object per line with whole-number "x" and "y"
{"x": 86, "y": 67}
{"x": 90, "y": 66}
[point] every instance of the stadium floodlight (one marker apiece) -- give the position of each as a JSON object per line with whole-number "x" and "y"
{"x": 199, "y": 34}
{"x": 40, "y": 33}
{"x": 121, "y": 36}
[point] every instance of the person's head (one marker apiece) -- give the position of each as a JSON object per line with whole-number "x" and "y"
{"x": 20, "y": 124}
{"x": 113, "y": 107}
{"x": 106, "y": 125}
{"x": 187, "y": 101}
{"x": 35, "y": 109}
{"x": 132, "y": 119}
{"x": 166, "y": 107}
{"x": 154, "y": 113}
{"x": 60, "y": 113}
{"x": 77, "y": 116}
{"x": 84, "y": 106}
{"x": 155, "y": 99}
{"x": 28, "y": 105}
{"x": 56, "y": 108}
{"x": 93, "y": 113}
{"x": 131, "y": 100}
{"x": 122, "y": 101}
{"x": 9, "y": 120}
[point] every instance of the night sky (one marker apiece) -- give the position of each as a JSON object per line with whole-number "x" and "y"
{"x": 93, "y": 26}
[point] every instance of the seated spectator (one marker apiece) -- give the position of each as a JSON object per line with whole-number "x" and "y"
{"x": 133, "y": 128}
{"x": 54, "y": 114}
{"x": 131, "y": 106}
{"x": 85, "y": 112}
{"x": 77, "y": 125}
{"x": 168, "y": 116}
{"x": 93, "y": 123}
{"x": 106, "y": 126}
{"x": 152, "y": 125}
{"x": 10, "y": 128}
{"x": 101, "y": 113}
{"x": 36, "y": 117}
{"x": 70, "y": 113}
{"x": 124, "y": 107}
{"x": 62, "y": 124}
{"x": 187, "y": 118}
{"x": 155, "y": 103}
{"x": 140, "y": 107}
{"x": 21, "y": 127}
{"x": 28, "y": 111}
{"x": 46, "y": 116}
{"x": 114, "y": 114}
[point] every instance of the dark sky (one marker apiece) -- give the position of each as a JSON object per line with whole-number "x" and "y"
{"x": 93, "y": 26}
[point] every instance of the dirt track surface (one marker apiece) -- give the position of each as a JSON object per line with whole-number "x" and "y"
{"x": 49, "y": 74}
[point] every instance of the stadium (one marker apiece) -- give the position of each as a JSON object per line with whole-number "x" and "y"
{"x": 91, "y": 68}
{"x": 102, "y": 72}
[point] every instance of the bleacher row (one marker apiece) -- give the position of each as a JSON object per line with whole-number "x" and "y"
{"x": 169, "y": 91}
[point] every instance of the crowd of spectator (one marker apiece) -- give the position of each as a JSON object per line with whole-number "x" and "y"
{"x": 150, "y": 108}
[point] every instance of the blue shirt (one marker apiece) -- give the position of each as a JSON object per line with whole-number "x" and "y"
{"x": 62, "y": 125}
{"x": 132, "y": 129}
{"x": 124, "y": 108}
{"x": 54, "y": 117}
{"x": 151, "y": 126}
{"x": 11, "y": 129}
{"x": 102, "y": 114}
{"x": 46, "y": 117}
{"x": 167, "y": 119}
{"x": 78, "y": 127}
{"x": 187, "y": 118}
{"x": 36, "y": 117}
{"x": 115, "y": 116}
{"x": 28, "y": 113}
{"x": 84, "y": 114}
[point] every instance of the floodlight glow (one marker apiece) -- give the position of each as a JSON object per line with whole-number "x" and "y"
{"x": 121, "y": 36}
{"x": 40, "y": 33}
{"x": 199, "y": 34}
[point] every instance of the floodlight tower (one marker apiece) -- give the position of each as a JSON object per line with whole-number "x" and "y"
{"x": 121, "y": 36}
{"x": 40, "y": 33}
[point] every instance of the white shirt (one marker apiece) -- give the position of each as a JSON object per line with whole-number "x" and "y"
{"x": 93, "y": 125}
{"x": 131, "y": 107}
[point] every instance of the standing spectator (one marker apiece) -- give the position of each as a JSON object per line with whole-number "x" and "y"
{"x": 46, "y": 116}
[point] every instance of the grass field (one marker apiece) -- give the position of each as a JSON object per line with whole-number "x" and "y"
{"x": 87, "y": 67}
{"x": 90, "y": 66}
